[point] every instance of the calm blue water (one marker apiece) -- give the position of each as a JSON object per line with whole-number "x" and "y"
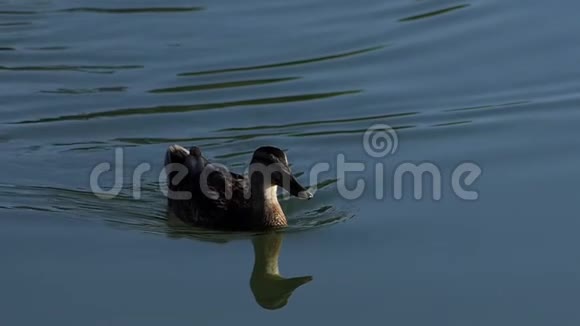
{"x": 494, "y": 83}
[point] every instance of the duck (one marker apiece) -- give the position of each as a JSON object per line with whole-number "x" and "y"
{"x": 209, "y": 195}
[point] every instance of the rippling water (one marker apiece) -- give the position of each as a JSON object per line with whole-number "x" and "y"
{"x": 488, "y": 82}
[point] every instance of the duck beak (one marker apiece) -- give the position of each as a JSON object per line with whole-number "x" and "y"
{"x": 296, "y": 189}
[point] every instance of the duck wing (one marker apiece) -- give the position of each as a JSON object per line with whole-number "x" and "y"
{"x": 214, "y": 192}
{"x": 224, "y": 184}
{"x": 178, "y": 157}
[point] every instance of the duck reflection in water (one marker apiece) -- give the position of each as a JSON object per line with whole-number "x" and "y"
{"x": 270, "y": 289}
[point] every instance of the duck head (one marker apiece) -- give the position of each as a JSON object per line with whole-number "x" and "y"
{"x": 269, "y": 169}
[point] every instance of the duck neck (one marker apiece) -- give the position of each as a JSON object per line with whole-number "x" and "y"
{"x": 265, "y": 206}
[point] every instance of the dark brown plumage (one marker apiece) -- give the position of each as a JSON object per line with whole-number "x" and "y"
{"x": 208, "y": 195}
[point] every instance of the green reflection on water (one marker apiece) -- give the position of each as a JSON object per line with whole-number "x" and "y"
{"x": 433, "y": 13}
{"x": 285, "y": 64}
{"x": 232, "y": 84}
{"x": 194, "y": 107}
{"x": 132, "y": 10}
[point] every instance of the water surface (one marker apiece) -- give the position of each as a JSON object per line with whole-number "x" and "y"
{"x": 489, "y": 82}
